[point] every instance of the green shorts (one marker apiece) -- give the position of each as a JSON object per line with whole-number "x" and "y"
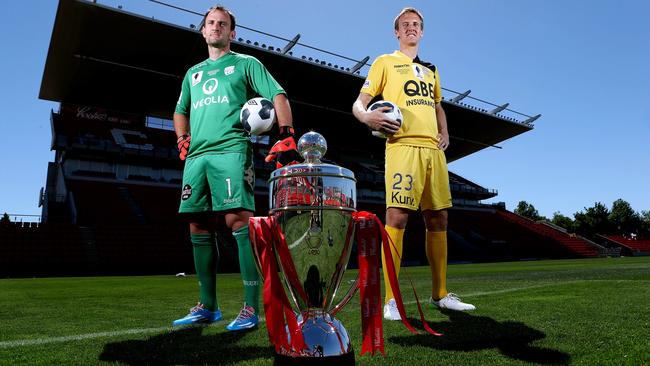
{"x": 218, "y": 182}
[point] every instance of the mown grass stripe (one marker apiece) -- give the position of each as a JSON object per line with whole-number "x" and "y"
{"x": 80, "y": 337}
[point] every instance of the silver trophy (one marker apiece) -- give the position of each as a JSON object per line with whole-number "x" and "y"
{"x": 313, "y": 204}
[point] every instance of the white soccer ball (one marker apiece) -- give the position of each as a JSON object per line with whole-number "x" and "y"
{"x": 394, "y": 113}
{"x": 257, "y": 116}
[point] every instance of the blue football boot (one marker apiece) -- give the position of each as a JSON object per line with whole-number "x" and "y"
{"x": 198, "y": 315}
{"x": 246, "y": 319}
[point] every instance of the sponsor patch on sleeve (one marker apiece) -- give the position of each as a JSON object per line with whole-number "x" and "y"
{"x": 366, "y": 84}
{"x": 196, "y": 77}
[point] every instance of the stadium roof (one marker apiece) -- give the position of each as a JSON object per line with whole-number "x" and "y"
{"x": 106, "y": 57}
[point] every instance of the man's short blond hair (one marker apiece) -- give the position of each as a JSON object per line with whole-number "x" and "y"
{"x": 409, "y": 10}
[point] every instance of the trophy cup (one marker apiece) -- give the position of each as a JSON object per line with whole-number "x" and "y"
{"x": 312, "y": 205}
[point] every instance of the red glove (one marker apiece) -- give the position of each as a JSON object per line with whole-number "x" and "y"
{"x": 183, "y": 143}
{"x": 284, "y": 152}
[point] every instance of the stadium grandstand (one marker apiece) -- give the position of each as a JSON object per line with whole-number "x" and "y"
{"x": 112, "y": 191}
{"x": 626, "y": 245}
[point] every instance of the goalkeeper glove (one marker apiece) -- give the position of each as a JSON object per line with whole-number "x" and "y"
{"x": 183, "y": 143}
{"x": 284, "y": 152}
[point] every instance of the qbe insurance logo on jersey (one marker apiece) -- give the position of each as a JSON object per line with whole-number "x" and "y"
{"x": 418, "y": 72}
{"x": 196, "y": 77}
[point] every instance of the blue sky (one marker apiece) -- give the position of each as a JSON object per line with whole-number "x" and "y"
{"x": 581, "y": 64}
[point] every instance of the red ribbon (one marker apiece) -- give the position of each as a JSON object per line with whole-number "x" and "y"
{"x": 263, "y": 231}
{"x": 368, "y": 249}
{"x": 387, "y": 242}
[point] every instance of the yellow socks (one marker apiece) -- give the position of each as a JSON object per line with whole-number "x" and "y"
{"x": 436, "y": 248}
{"x": 397, "y": 235}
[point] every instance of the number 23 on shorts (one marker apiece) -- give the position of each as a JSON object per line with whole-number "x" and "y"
{"x": 402, "y": 182}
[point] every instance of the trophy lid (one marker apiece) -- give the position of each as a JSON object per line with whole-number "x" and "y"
{"x": 312, "y": 146}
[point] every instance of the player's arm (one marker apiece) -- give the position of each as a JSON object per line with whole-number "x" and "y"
{"x": 181, "y": 125}
{"x": 182, "y": 120}
{"x": 285, "y": 151}
{"x": 441, "y": 117}
{"x": 377, "y": 119}
{"x": 183, "y": 138}
{"x": 443, "y": 133}
{"x": 283, "y": 110}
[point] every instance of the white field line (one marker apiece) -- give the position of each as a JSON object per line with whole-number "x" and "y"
{"x": 80, "y": 337}
{"x": 512, "y": 289}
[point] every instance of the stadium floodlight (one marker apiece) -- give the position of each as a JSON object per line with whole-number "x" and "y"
{"x": 460, "y": 97}
{"x": 359, "y": 65}
{"x": 530, "y": 120}
{"x": 291, "y": 43}
{"x": 499, "y": 109}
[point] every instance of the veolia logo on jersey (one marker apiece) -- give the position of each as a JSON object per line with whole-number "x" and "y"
{"x": 210, "y": 86}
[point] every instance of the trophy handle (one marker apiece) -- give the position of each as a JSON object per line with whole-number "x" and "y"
{"x": 346, "y": 298}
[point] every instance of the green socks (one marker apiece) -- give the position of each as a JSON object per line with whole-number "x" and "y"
{"x": 249, "y": 274}
{"x": 206, "y": 256}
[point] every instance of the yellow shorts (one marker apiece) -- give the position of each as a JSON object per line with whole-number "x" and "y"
{"x": 416, "y": 176}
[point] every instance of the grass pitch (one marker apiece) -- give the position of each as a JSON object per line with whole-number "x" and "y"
{"x": 588, "y": 312}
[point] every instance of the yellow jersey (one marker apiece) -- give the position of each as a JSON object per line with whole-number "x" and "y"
{"x": 415, "y": 89}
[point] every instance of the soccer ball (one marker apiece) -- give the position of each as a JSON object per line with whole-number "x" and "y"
{"x": 394, "y": 113}
{"x": 257, "y": 116}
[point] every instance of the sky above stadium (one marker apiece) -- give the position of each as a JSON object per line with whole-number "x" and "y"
{"x": 581, "y": 64}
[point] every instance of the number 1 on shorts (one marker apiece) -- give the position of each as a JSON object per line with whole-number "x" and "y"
{"x": 229, "y": 189}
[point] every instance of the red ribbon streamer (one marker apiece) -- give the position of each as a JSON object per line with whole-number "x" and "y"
{"x": 368, "y": 249}
{"x": 276, "y": 304}
{"x": 392, "y": 277}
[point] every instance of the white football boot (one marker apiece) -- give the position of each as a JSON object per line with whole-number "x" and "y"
{"x": 451, "y": 302}
{"x": 390, "y": 311}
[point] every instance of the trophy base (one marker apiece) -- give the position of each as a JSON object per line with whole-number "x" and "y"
{"x": 326, "y": 339}
{"x": 342, "y": 360}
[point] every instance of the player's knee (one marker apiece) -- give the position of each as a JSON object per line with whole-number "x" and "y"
{"x": 200, "y": 228}
{"x": 436, "y": 220}
{"x": 396, "y": 217}
{"x": 237, "y": 220}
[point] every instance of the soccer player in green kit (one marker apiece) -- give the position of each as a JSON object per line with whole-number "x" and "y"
{"x": 218, "y": 178}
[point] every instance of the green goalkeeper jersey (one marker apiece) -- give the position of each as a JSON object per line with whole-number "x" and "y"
{"x": 213, "y": 93}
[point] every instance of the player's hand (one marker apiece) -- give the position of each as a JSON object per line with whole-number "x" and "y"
{"x": 183, "y": 144}
{"x": 284, "y": 152}
{"x": 379, "y": 121}
{"x": 443, "y": 141}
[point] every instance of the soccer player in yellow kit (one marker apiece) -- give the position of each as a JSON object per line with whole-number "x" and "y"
{"x": 416, "y": 167}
